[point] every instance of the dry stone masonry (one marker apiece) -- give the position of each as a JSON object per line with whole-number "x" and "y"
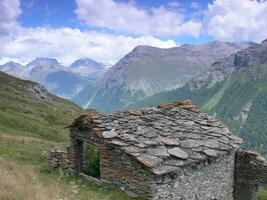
{"x": 172, "y": 152}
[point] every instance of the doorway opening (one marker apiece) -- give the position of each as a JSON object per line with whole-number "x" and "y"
{"x": 91, "y": 161}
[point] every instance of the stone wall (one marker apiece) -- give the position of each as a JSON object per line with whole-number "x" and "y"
{"x": 250, "y": 172}
{"x": 211, "y": 180}
{"x": 68, "y": 162}
{"x": 120, "y": 170}
{"x": 61, "y": 160}
{"x": 117, "y": 168}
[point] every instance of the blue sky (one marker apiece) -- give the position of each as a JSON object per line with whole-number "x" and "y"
{"x": 105, "y": 30}
{"x": 55, "y": 14}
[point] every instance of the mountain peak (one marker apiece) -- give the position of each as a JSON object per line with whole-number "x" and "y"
{"x": 85, "y": 62}
{"x": 13, "y": 63}
{"x": 49, "y": 60}
{"x": 264, "y": 41}
{"x": 143, "y": 50}
{"x": 217, "y": 42}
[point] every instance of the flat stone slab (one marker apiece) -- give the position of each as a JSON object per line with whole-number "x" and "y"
{"x": 179, "y": 153}
{"x": 210, "y": 152}
{"x": 110, "y": 134}
{"x": 149, "y": 160}
{"x": 117, "y": 142}
{"x": 169, "y": 141}
{"x": 190, "y": 143}
{"x": 164, "y": 169}
{"x": 160, "y": 151}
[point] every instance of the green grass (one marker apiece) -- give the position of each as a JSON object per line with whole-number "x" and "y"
{"x": 29, "y": 128}
{"x": 236, "y": 93}
{"x": 262, "y": 194}
{"x": 213, "y": 101}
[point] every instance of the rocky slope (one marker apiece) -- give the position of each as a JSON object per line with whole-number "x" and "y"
{"x": 234, "y": 89}
{"x": 58, "y": 79}
{"x": 28, "y": 108}
{"x": 148, "y": 70}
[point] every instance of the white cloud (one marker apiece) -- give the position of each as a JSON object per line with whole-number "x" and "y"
{"x": 22, "y": 44}
{"x": 127, "y": 17}
{"x": 194, "y": 5}
{"x": 68, "y": 44}
{"x": 238, "y": 20}
{"x": 174, "y": 4}
{"x": 9, "y": 11}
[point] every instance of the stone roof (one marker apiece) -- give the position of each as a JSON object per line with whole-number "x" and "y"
{"x": 164, "y": 138}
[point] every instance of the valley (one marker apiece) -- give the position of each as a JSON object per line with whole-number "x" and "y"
{"x": 64, "y": 81}
{"x": 148, "y": 70}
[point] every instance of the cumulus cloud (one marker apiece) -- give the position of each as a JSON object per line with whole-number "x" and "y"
{"x": 68, "y": 44}
{"x": 65, "y": 44}
{"x": 194, "y": 5}
{"x": 174, "y": 4}
{"x": 238, "y": 20}
{"x": 9, "y": 12}
{"x": 127, "y": 17}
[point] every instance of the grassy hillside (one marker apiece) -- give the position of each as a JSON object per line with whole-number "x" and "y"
{"x": 23, "y": 112}
{"x": 241, "y": 103}
{"x": 31, "y": 122}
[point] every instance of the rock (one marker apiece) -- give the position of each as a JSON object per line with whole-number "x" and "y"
{"x": 197, "y": 156}
{"x": 179, "y": 153}
{"x": 212, "y": 143}
{"x": 174, "y": 162}
{"x": 128, "y": 137}
{"x": 149, "y": 160}
{"x": 38, "y": 91}
{"x": 193, "y": 136}
{"x": 149, "y": 142}
{"x": 260, "y": 159}
{"x": 158, "y": 151}
{"x": 139, "y": 131}
{"x": 224, "y": 147}
{"x": 190, "y": 143}
{"x": 118, "y": 142}
{"x": 164, "y": 169}
{"x": 236, "y": 139}
{"x": 210, "y": 152}
{"x": 132, "y": 149}
{"x": 150, "y": 135}
{"x": 169, "y": 141}
{"x": 110, "y": 134}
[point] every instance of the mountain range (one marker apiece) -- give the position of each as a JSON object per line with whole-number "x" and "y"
{"x": 148, "y": 70}
{"x": 58, "y": 79}
{"x": 234, "y": 89}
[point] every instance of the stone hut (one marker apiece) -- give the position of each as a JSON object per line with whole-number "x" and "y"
{"x": 172, "y": 152}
